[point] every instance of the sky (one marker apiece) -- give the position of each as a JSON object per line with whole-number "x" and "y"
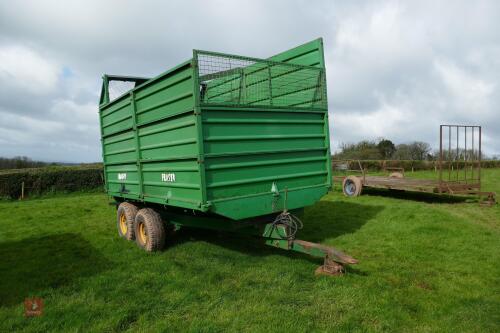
{"x": 395, "y": 69}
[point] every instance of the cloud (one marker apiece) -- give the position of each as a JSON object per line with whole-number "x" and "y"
{"x": 24, "y": 71}
{"x": 70, "y": 133}
{"x": 394, "y": 69}
{"x": 379, "y": 122}
{"x": 399, "y": 70}
{"x": 464, "y": 89}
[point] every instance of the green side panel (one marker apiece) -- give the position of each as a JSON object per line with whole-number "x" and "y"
{"x": 235, "y": 131}
{"x": 266, "y": 203}
{"x": 184, "y": 191}
{"x": 308, "y": 54}
{"x": 265, "y": 133}
{"x": 117, "y": 117}
{"x": 168, "y": 97}
{"x": 171, "y": 138}
{"x": 123, "y": 178}
{"x": 150, "y": 142}
{"x": 119, "y": 148}
{"x": 251, "y": 153}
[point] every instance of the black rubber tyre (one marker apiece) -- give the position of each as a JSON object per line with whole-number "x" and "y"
{"x": 396, "y": 175}
{"x": 351, "y": 186}
{"x": 150, "y": 231}
{"x": 125, "y": 217}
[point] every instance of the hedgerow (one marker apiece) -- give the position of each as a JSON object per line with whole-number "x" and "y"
{"x": 39, "y": 181}
{"x": 49, "y": 179}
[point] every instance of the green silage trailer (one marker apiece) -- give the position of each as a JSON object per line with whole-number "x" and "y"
{"x": 220, "y": 142}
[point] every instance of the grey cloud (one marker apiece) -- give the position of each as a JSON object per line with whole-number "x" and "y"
{"x": 420, "y": 65}
{"x": 395, "y": 69}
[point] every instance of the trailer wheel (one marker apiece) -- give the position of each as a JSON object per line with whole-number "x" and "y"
{"x": 352, "y": 186}
{"x": 396, "y": 175}
{"x": 149, "y": 230}
{"x": 125, "y": 217}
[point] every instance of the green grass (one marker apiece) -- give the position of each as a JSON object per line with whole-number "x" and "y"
{"x": 425, "y": 265}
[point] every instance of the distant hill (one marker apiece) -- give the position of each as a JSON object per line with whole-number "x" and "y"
{"x": 24, "y": 162}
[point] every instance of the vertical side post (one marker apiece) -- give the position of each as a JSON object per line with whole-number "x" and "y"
{"x": 326, "y": 117}
{"x": 22, "y": 190}
{"x": 465, "y": 156}
{"x": 479, "y": 161}
{"x": 244, "y": 87}
{"x": 242, "y": 75}
{"x": 440, "y": 156}
{"x": 473, "y": 158}
{"x": 103, "y": 153}
{"x": 105, "y": 90}
{"x": 270, "y": 85}
{"x": 449, "y": 153}
{"x": 199, "y": 128}
{"x": 457, "y": 154}
{"x": 473, "y": 161}
{"x": 138, "y": 154}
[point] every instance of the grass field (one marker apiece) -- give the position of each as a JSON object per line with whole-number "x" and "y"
{"x": 425, "y": 265}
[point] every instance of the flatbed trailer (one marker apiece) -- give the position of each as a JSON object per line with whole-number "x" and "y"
{"x": 459, "y": 169}
{"x": 418, "y": 185}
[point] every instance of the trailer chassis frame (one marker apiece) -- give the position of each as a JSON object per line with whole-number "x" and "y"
{"x": 278, "y": 236}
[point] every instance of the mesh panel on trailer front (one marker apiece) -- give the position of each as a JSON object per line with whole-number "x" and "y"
{"x": 240, "y": 81}
{"x": 117, "y": 88}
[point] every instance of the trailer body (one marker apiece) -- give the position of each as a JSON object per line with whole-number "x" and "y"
{"x": 221, "y": 134}
{"x": 221, "y": 142}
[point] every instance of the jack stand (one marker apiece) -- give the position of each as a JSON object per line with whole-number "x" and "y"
{"x": 330, "y": 267}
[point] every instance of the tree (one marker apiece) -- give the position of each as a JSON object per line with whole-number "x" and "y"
{"x": 386, "y": 148}
{"x": 363, "y": 150}
{"x": 402, "y": 152}
{"x": 416, "y": 150}
{"x": 419, "y": 150}
{"x": 19, "y": 162}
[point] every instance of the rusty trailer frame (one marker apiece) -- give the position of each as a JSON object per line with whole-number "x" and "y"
{"x": 459, "y": 168}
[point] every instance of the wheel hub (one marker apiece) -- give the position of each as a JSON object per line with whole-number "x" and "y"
{"x": 350, "y": 187}
{"x": 123, "y": 224}
{"x": 142, "y": 233}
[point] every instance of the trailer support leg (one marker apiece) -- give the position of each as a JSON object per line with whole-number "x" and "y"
{"x": 330, "y": 267}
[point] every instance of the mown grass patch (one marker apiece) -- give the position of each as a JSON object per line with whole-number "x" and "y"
{"x": 424, "y": 266}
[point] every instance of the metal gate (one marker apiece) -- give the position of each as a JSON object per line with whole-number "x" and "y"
{"x": 459, "y": 159}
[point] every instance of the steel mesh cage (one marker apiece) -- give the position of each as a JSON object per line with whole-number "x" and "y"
{"x": 231, "y": 80}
